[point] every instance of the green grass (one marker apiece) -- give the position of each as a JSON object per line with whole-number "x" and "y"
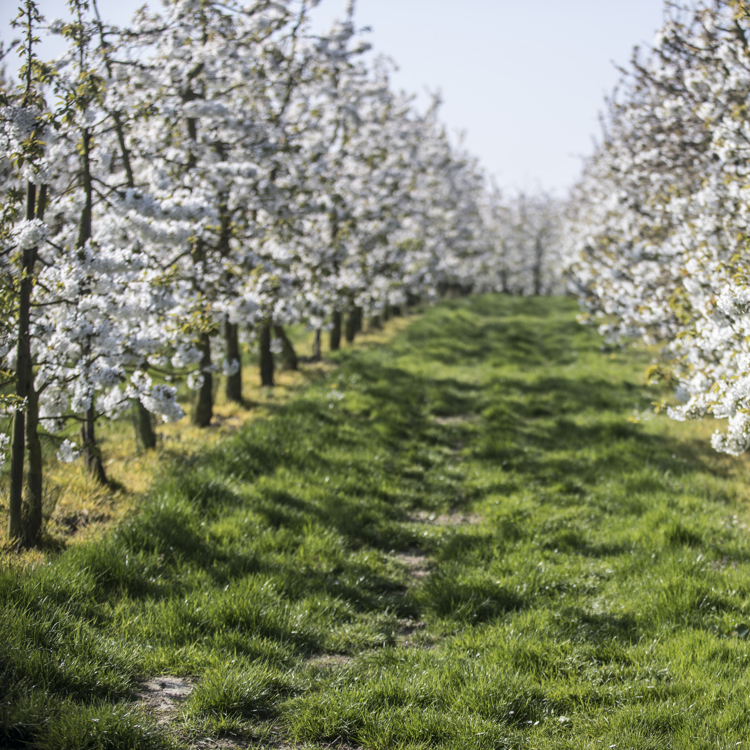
{"x": 597, "y": 595}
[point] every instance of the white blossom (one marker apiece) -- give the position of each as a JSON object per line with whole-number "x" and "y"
{"x": 195, "y": 381}
{"x": 230, "y": 368}
{"x": 68, "y": 452}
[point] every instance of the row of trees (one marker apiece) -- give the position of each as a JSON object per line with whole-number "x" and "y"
{"x": 213, "y": 172}
{"x": 658, "y": 228}
{"x": 529, "y": 226}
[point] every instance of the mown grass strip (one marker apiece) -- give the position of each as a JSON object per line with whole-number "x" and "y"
{"x": 471, "y": 538}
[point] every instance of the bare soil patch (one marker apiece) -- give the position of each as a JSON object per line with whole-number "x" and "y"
{"x": 161, "y": 696}
{"x": 411, "y": 634}
{"x": 416, "y": 561}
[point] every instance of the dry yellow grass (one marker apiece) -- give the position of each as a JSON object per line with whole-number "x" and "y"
{"x": 84, "y": 508}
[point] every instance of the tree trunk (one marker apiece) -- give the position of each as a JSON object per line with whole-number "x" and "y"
{"x": 317, "y": 353}
{"x": 24, "y": 374}
{"x": 92, "y": 456}
{"x": 32, "y": 513}
{"x": 288, "y": 355}
{"x": 266, "y": 355}
{"x": 143, "y": 425}
{"x": 335, "y": 339}
{"x": 17, "y": 451}
{"x": 350, "y": 330}
{"x": 374, "y": 323}
{"x": 91, "y": 453}
{"x": 538, "y": 254}
{"x": 33, "y": 501}
{"x": 203, "y": 407}
{"x": 145, "y": 435}
{"x": 233, "y": 385}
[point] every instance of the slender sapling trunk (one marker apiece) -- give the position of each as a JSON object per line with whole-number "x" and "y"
{"x": 350, "y": 330}
{"x": 203, "y": 409}
{"x": 266, "y": 355}
{"x": 233, "y": 383}
{"x": 24, "y": 385}
{"x": 317, "y": 352}
{"x": 335, "y": 338}
{"x": 143, "y": 424}
{"x": 288, "y": 355}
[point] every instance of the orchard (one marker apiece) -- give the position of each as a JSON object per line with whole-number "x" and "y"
{"x": 302, "y": 442}
{"x": 183, "y": 188}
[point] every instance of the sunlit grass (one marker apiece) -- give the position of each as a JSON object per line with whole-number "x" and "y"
{"x": 473, "y": 535}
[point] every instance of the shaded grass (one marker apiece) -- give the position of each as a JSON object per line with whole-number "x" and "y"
{"x": 602, "y": 600}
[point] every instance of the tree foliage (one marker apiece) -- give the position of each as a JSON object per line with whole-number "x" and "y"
{"x": 658, "y": 225}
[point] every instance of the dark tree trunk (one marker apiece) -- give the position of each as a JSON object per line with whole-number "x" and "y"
{"x": 32, "y": 516}
{"x": 23, "y": 380}
{"x": 335, "y": 339}
{"x": 538, "y": 254}
{"x": 288, "y": 355}
{"x": 350, "y": 330}
{"x": 145, "y": 434}
{"x": 25, "y": 423}
{"x": 18, "y": 449}
{"x": 385, "y": 316}
{"x": 203, "y": 408}
{"x": 317, "y": 353}
{"x": 91, "y": 453}
{"x": 92, "y": 456}
{"x": 266, "y": 355}
{"x": 233, "y": 385}
{"x": 374, "y": 323}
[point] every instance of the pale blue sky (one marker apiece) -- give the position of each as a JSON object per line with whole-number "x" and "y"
{"x": 525, "y": 80}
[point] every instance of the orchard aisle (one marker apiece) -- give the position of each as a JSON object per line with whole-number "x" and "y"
{"x": 475, "y": 537}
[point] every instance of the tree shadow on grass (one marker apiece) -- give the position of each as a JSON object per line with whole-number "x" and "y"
{"x": 553, "y": 427}
{"x": 527, "y": 333}
{"x": 597, "y": 628}
{"x": 361, "y": 453}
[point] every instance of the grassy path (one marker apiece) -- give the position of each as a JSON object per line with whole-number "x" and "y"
{"x": 472, "y": 538}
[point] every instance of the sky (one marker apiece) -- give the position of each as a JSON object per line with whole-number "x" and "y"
{"x": 522, "y": 82}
